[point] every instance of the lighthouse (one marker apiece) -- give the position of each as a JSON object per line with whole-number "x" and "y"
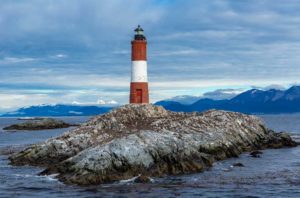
{"x": 139, "y": 83}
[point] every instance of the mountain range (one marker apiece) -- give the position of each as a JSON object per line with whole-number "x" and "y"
{"x": 58, "y": 110}
{"x": 253, "y": 101}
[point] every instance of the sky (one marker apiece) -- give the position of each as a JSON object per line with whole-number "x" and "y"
{"x": 62, "y": 51}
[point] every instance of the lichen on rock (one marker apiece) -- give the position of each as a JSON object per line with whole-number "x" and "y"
{"x": 149, "y": 140}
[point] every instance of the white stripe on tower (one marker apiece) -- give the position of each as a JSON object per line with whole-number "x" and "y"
{"x": 139, "y": 71}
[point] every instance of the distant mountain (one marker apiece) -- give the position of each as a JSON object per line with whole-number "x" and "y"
{"x": 58, "y": 110}
{"x": 172, "y": 105}
{"x": 251, "y": 101}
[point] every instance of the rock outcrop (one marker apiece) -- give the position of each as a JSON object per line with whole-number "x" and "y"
{"x": 150, "y": 141}
{"x": 39, "y": 124}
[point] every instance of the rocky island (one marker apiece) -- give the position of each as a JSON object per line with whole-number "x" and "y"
{"x": 150, "y": 141}
{"x": 40, "y": 124}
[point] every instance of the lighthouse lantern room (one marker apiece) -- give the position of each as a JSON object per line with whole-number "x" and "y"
{"x": 139, "y": 82}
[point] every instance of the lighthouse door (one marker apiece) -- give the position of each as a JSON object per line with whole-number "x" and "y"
{"x": 139, "y": 96}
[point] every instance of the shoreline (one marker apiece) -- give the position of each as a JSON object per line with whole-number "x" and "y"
{"x": 97, "y": 152}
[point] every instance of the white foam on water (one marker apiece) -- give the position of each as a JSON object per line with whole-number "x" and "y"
{"x": 131, "y": 180}
{"x": 48, "y": 177}
{"x": 24, "y": 175}
{"x": 51, "y": 177}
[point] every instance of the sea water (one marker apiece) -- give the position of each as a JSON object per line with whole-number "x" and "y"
{"x": 275, "y": 174}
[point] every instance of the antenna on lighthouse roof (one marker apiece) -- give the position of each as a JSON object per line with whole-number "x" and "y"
{"x": 139, "y": 29}
{"x": 139, "y": 33}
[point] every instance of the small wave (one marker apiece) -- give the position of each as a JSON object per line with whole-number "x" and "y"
{"x": 132, "y": 180}
{"x": 24, "y": 175}
{"x": 52, "y": 177}
{"x": 48, "y": 177}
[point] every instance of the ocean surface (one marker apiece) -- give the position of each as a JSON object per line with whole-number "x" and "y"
{"x": 275, "y": 174}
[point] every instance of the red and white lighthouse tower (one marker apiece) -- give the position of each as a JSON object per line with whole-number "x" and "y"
{"x": 139, "y": 82}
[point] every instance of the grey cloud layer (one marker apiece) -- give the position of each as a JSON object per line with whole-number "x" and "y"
{"x": 82, "y": 48}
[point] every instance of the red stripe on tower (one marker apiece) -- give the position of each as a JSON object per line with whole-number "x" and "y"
{"x": 139, "y": 84}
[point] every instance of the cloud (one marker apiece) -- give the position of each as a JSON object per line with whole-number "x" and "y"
{"x": 176, "y": 53}
{"x": 13, "y": 60}
{"x": 112, "y": 102}
{"x": 109, "y": 102}
{"x": 98, "y": 102}
{"x": 60, "y": 56}
{"x": 185, "y": 99}
{"x": 274, "y": 86}
{"x": 101, "y": 102}
{"x": 221, "y": 94}
{"x": 9, "y": 101}
{"x": 80, "y": 50}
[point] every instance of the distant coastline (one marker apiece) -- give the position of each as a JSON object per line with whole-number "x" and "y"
{"x": 254, "y": 101}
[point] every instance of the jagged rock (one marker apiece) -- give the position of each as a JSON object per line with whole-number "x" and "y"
{"x": 255, "y": 154}
{"x": 39, "y": 124}
{"x": 238, "y": 164}
{"x": 142, "y": 179}
{"x": 12, "y": 149}
{"x": 148, "y": 140}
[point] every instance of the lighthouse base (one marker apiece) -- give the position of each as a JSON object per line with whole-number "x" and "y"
{"x": 139, "y": 93}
